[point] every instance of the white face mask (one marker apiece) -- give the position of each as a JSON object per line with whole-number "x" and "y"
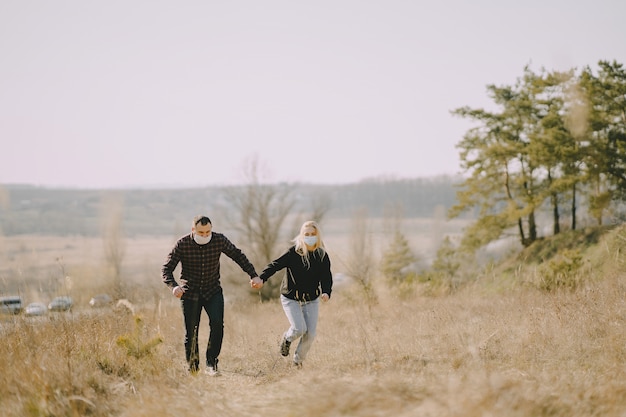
{"x": 310, "y": 240}
{"x": 202, "y": 240}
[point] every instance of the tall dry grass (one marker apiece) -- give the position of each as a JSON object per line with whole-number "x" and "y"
{"x": 473, "y": 353}
{"x": 497, "y": 347}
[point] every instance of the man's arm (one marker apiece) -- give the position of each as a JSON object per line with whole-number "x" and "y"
{"x": 234, "y": 253}
{"x": 173, "y": 259}
{"x": 169, "y": 266}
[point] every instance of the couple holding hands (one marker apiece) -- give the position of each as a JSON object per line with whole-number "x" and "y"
{"x": 308, "y": 279}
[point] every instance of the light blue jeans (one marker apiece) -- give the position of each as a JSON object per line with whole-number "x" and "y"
{"x": 302, "y": 316}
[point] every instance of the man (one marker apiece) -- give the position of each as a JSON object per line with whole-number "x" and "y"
{"x": 199, "y": 255}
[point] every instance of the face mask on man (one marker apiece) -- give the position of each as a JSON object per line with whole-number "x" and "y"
{"x": 310, "y": 240}
{"x": 202, "y": 240}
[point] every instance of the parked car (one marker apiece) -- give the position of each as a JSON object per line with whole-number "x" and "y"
{"x": 11, "y": 304}
{"x": 35, "y": 309}
{"x": 101, "y": 300}
{"x": 62, "y": 303}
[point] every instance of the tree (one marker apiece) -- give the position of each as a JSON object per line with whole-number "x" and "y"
{"x": 443, "y": 274}
{"x": 495, "y": 154}
{"x": 397, "y": 259}
{"x": 554, "y": 147}
{"x": 446, "y": 264}
{"x": 605, "y": 145}
{"x": 258, "y": 212}
{"x": 113, "y": 239}
{"x": 360, "y": 265}
{"x": 536, "y": 148}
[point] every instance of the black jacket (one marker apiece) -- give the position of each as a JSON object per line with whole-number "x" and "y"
{"x": 302, "y": 282}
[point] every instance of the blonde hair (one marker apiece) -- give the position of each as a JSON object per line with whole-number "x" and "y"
{"x": 301, "y": 247}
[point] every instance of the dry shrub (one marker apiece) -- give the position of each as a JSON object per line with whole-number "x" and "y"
{"x": 481, "y": 350}
{"x": 522, "y": 353}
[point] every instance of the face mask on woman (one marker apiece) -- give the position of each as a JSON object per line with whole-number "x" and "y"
{"x": 310, "y": 240}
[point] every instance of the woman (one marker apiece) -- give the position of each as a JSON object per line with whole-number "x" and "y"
{"x": 308, "y": 279}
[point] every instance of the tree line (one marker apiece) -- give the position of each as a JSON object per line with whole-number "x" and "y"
{"x": 28, "y": 209}
{"x": 555, "y": 141}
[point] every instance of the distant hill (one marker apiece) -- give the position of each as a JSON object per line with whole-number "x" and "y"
{"x": 28, "y": 209}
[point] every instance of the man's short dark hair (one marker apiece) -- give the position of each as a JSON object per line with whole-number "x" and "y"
{"x": 203, "y": 220}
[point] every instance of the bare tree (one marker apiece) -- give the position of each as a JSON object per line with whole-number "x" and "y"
{"x": 258, "y": 212}
{"x": 361, "y": 262}
{"x": 113, "y": 239}
{"x": 319, "y": 207}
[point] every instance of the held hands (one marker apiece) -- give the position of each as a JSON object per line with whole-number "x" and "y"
{"x": 256, "y": 282}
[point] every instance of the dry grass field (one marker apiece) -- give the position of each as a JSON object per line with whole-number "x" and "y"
{"x": 480, "y": 351}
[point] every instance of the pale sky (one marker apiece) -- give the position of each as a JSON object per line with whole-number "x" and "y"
{"x": 145, "y": 93}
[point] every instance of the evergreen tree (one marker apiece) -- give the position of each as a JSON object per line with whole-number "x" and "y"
{"x": 397, "y": 259}
{"x": 501, "y": 173}
{"x": 605, "y": 156}
{"x": 554, "y": 136}
{"x": 446, "y": 264}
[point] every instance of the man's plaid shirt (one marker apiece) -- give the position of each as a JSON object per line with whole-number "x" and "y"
{"x": 200, "y": 265}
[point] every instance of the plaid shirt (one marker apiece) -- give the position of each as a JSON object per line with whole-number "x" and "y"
{"x": 200, "y": 265}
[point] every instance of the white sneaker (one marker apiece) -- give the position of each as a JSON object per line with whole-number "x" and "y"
{"x": 211, "y": 369}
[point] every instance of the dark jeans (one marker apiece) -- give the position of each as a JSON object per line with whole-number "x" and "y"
{"x": 192, "y": 310}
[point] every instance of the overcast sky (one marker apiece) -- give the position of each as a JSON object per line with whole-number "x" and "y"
{"x": 128, "y": 93}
